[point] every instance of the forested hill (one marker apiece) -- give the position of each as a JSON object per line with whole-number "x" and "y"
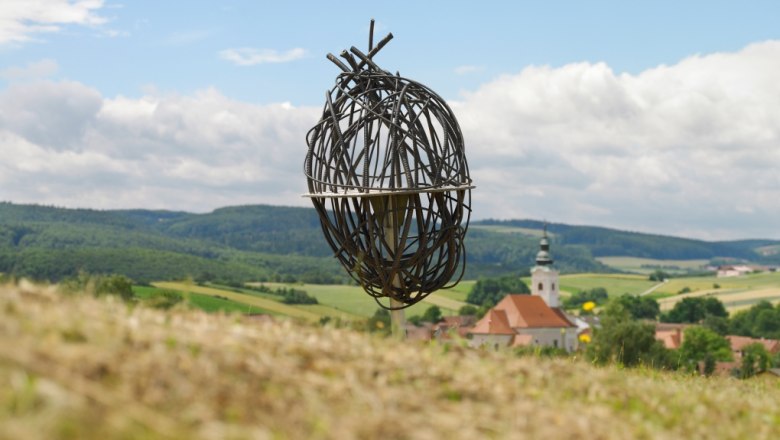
{"x": 611, "y": 242}
{"x": 272, "y": 242}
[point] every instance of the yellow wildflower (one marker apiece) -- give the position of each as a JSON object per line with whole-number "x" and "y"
{"x": 588, "y": 306}
{"x": 584, "y": 338}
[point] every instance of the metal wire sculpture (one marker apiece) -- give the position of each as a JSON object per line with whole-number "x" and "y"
{"x": 387, "y": 174}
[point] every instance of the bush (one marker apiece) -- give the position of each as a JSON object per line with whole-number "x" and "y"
{"x": 756, "y": 359}
{"x": 99, "y": 285}
{"x": 597, "y": 294}
{"x": 380, "y": 322}
{"x": 295, "y": 296}
{"x": 658, "y": 276}
{"x": 165, "y": 299}
{"x": 468, "y": 310}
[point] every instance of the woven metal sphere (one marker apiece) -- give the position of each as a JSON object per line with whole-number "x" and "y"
{"x": 387, "y": 174}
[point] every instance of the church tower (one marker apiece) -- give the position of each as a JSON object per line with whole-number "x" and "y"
{"x": 544, "y": 279}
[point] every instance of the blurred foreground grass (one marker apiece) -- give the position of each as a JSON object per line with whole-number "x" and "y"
{"x": 79, "y": 367}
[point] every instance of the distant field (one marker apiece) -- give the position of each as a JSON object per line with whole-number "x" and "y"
{"x": 262, "y": 303}
{"x": 512, "y": 230}
{"x": 208, "y": 303}
{"x": 649, "y": 265}
{"x": 353, "y": 300}
{"x": 735, "y": 292}
{"x": 459, "y": 292}
{"x": 614, "y": 284}
{"x": 752, "y": 281}
{"x": 769, "y": 250}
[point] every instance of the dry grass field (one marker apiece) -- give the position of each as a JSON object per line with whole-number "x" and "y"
{"x": 736, "y": 293}
{"x": 78, "y": 367}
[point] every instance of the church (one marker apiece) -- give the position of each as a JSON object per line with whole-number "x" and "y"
{"x": 530, "y": 320}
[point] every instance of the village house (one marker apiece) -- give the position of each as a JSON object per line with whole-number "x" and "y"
{"x": 670, "y": 334}
{"x": 530, "y": 320}
{"x": 738, "y": 344}
{"x": 673, "y": 335}
{"x": 734, "y": 271}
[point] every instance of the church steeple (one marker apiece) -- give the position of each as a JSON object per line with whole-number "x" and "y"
{"x": 544, "y": 278}
{"x": 543, "y": 257}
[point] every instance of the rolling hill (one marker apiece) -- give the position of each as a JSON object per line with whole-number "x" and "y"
{"x": 274, "y": 243}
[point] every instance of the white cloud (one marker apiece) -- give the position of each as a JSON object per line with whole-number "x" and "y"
{"x": 32, "y": 71}
{"x": 671, "y": 147}
{"x": 248, "y": 56}
{"x": 21, "y": 19}
{"x": 691, "y": 148}
{"x": 69, "y": 146}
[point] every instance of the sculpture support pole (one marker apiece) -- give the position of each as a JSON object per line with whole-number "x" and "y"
{"x": 397, "y": 317}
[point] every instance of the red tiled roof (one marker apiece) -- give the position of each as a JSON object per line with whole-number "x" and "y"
{"x": 562, "y": 315}
{"x": 530, "y": 311}
{"x": 459, "y": 321}
{"x": 672, "y": 339}
{"x": 738, "y": 343}
{"x": 494, "y": 322}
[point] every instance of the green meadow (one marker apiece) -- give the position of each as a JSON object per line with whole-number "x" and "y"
{"x": 615, "y": 284}
{"x": 342, "y": 301}
{"x": 649, "y": 265}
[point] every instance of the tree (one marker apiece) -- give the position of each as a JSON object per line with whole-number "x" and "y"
{"x": 432, "y": 314}
{"x": 755, "y": 359}
{"x": 658, "y": 275}
{"x": 468, "y": 310}
{"x": 694, "y": 310}
{"x": 489, "y": 291}
{"x": 767, "y": 323}
{"x": 760, "y": 321}
{"x": 713, "y": 307}
{"x": 700, "y": 342}
{"x": 718, "y": 324}
{"x": 640, "y": 307}
{"x": 624, "y": 340}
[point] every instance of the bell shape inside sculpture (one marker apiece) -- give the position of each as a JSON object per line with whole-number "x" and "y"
{"x": 383, "y": 134}
{"x": 398, "y": 246}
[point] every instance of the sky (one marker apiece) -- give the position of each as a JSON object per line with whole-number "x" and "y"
{"x": 659, "y": 117}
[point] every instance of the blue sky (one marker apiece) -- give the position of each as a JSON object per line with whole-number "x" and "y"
{"x": 175, "y": 45}
{"x": 651, "y": 116}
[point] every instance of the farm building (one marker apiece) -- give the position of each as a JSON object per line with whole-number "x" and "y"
{"x": 535, "y": 319}
{"x": 733, "y": 271}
